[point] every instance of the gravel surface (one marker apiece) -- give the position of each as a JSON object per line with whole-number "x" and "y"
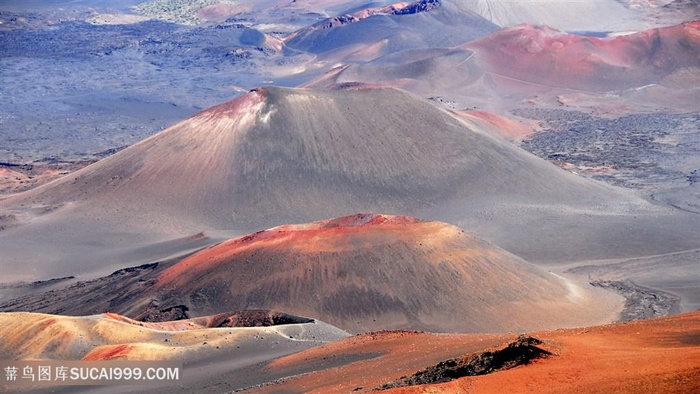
{"x": 656, "y": 153}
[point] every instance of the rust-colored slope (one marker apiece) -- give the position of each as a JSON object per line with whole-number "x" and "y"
{"x": 659, "y": 355}
{"x": 505, "y": 127}
{"x": 542, "y": 55}
{"x": 368, "y": 272}
{"x": 373, "y": 359}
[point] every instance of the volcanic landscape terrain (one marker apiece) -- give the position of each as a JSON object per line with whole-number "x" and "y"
{"x": 353, "y": 196}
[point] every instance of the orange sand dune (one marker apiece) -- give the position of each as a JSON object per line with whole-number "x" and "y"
{"x": 652, "y": 356}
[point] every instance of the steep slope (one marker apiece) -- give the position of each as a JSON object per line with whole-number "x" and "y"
{"x": 451, "y": 76}
{"x": 279, "y": 155}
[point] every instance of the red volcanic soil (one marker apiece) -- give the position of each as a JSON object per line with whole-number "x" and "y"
{"x": 367, "y": 272}
{"x": 18, "y": 178}
{"x": 304, "y": 236}
{"x": 542, "y": 55}
{"x": 507, "y": 128}
{"x": 109, "y": 353}
{"x": 652, "y": 356}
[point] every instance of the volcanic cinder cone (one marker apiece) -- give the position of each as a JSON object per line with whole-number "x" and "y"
{"x": 542, "y": 55}
{"x": 278, "y": 155}
{"x": 510, "y": 65}
{"x": 366, "y": 272}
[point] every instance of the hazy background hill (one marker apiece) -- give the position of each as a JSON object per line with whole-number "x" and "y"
{"x": 372, "y": 32}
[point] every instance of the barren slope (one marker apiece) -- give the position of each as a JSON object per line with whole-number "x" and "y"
{"x": 367, "y": 272}
{"x": 111, "y": 336}
{"x": 360, "y": 273}
{"x": 658, "y": 355}
{"x": 675, "y": 273}
{"x": 279, "y": 155}
{"x": 224, "y": 343}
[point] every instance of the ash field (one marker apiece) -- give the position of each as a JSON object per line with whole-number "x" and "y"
{"x": 345, "y": 196}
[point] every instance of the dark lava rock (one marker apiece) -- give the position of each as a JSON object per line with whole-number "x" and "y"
{"x": 522, "y": 351}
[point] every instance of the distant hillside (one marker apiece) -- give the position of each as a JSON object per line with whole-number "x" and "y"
{"x": 371, "y": 32}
